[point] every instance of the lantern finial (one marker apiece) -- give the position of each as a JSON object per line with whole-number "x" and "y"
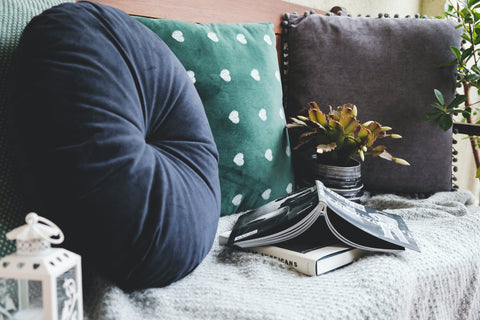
{"x": 36, "y": 235}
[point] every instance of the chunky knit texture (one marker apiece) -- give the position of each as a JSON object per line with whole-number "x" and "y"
{"x": 441, "y": 282}
{"x": 14, "y": 16}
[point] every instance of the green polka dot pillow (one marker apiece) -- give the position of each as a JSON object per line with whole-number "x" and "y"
{"x": 235, "y": 71}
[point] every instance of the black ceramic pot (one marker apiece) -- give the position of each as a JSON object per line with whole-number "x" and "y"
{"x": 345, "y": 180}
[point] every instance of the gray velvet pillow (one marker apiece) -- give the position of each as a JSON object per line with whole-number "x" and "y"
{"x": 388, "y": 68}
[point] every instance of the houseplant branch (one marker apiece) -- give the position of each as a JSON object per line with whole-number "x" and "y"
{"x": 473, "y": 141}
{"x": 465, "y": 12}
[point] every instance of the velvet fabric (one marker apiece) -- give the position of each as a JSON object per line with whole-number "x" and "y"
{"x": 389, "y": 69}
{"x": 15, "y": 14}
{"x": 117, "y": 148}
{"x": 234, "y": 67}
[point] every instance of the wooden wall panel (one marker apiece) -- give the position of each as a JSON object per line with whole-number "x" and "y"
{"x": 210, "y": 10}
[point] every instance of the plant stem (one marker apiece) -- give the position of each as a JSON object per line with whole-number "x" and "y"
{"x": 473, "y": 143}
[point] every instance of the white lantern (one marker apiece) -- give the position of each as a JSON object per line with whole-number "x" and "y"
{"x": 37, "y": 281}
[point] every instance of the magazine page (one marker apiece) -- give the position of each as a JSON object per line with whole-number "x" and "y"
{"x": 316, "y": 237}
{"x": 279, "y": 219}
{"x": 383, "y": 225}
{"x": 356, "y": 237}
{"x": 285, "y": 234}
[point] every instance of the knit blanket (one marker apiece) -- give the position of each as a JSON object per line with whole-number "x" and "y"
{"x": 441, "y": 282}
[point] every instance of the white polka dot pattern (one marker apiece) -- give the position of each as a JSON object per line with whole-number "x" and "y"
{"x": 289, "y": 188}
{"x": 255, "y": 75}
{"x": 241, "y": 38}
{"x": 213, "y": 36}
{"x": 237, "y": 200}
{"x": 238, "y": 159}
{"x": 234, "y": 116}
{"x": 258, "y": 153}
{"x": 178, "y": 35}
{"x": 277, "y": 76}
{"x": 263, "y": 114}
{"x": 269, "y": 155}
{"x": 267, "y": 39}
{"x": 191, "y": 74}
{"x": 225, "y": 75}
{"x": 266, "y": 194}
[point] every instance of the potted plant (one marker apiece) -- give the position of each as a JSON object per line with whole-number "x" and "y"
{"x": 330, "y": 142}
{"x": 467, "y": 58}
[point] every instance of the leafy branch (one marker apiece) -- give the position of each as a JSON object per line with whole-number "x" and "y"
{"x": 465, "y": 12}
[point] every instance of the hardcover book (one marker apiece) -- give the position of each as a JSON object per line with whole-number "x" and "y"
{"x": 318, "y": 229}
{"x": 308, "y": 256}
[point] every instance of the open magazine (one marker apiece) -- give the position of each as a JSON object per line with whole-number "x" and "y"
{"x": 326, "y": 217}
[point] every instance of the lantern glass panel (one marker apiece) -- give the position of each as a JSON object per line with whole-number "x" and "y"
{"x": 20, "y": 299}
{"x": 67, "y": 294}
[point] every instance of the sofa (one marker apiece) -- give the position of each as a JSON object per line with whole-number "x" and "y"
{"x": 144, "y": 129}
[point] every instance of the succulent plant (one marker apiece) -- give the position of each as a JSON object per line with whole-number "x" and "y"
{"x": 338, "y": 136}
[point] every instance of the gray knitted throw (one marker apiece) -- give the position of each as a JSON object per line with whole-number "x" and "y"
{"x": 441, "y": 282}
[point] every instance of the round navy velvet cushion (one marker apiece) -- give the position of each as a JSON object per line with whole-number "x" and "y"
{"x": 117, "y": 148}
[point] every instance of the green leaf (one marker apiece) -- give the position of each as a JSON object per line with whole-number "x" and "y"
{"x": 466, "y": 55}
{"x": 472, "y": 77}
{"x": 377, "y": 151}
{"x": 458, "y": 100}
{"x": 455, "y": 112}
{"x": 467, "y": 113}
{"x": 335, "y": 130}
{"x": 445, "y": 122}
{"x": 457, "y": 53}
{"x": 365, "y": 137}
{"x": 476, "y": 69}
{"x": 349, "y": 124}
{"x": 438, "y": 106}
{"x": 434, "y": 115}
{"x": 449, "y": 63}
{"x": 375, "y": 128}
{"x": 477, "y": 175}
{"x": 476, "y": 39}
{"x": 471, "y": 3}
{"x": 439, "y": 96}
{"x": 465, "y": 13}
{"x": 466, "y": 38}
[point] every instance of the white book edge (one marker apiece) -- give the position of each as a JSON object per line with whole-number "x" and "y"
{"x": 312, "y": 263}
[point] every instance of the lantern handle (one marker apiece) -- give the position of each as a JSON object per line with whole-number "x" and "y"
{"x": 32, "y": 218}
